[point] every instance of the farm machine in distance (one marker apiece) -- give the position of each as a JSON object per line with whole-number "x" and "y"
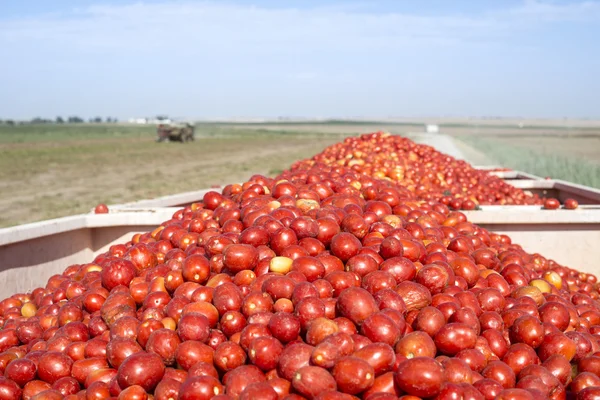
{"x": 175, "y": 133}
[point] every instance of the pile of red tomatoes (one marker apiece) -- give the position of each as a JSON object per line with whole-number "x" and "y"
{"x": 422, "y": 170}
{"x": 346, "y": 277}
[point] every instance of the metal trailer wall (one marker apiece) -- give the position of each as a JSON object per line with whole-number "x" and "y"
{"x": 30, "y": 254}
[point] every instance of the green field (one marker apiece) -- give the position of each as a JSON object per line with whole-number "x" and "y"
{"x": 48, "y": 171}
{"x": 571, "y": 158}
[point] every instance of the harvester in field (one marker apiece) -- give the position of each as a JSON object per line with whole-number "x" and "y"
{"x": 175, "y": 133}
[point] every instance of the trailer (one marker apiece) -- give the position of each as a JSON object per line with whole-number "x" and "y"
{"x": 31, "y": 253}
{"x": 175, "y": 133}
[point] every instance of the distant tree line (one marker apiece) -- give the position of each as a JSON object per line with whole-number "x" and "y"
{"x": 60, "y": 120}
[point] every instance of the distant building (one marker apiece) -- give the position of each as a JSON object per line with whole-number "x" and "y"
{"x": 137, "y": 121}
{"x": 151, "y": 121}
{"x": 431, "y": 128}
{"x": 158, "y": 121}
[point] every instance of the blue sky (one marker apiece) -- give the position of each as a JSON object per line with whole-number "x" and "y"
{"x": 269, "y": 58}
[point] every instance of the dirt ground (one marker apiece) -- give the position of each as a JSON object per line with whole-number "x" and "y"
{"x": 331, "y": 128}
{"x": 41, "y": 179}
{"x": 48, "y": 171}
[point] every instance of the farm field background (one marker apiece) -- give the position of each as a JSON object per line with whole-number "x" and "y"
{"x": 558, "y": 149}
{"x": 570, "y": 158}
{"x": 49, "y": 171}
{"x": 52, "y": 171}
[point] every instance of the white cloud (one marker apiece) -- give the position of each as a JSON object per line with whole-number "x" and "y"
{"x": 214, "y": 56}
{"x": 552, "y": 12}
{"x": 228, "y": 27}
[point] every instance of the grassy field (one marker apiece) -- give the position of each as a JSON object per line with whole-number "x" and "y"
{"x": 571, "y": 158}
{"x": 49, "y": 171}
